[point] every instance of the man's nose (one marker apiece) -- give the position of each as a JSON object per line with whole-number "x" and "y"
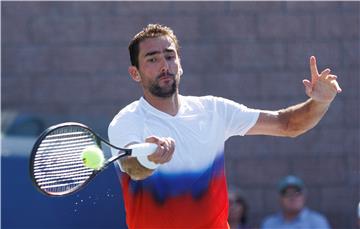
{"x": 164, "y": 65}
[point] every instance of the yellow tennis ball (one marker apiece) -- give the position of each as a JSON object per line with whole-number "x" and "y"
{"x": 92, "y": 157}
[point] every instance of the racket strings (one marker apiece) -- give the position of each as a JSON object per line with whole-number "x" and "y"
{"x": 58, "y": 166}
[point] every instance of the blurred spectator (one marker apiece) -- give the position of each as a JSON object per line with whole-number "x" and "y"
{"x": 19, "y": 132}
{"x": 238, "y": 211}
{"x": 358, "y": 214}
{"x": 293, "y": 213}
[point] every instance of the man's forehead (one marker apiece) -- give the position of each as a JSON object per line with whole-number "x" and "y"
{"x": 157, "y": 44}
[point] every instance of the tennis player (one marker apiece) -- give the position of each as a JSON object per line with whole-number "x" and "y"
{"x": 182, "y": 184}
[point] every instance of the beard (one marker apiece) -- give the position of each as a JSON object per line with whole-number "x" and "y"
{"x": 164, "y": 91}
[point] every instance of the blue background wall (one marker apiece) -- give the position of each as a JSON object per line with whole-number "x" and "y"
{"x": 98, "y": 205}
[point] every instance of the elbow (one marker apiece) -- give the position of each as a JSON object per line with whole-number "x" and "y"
{"x": 139, "y": 174}
{"x": 134, "y": 169}
{"x": 294, "y": 134}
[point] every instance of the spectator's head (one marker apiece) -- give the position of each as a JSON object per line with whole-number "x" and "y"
{"x": 292, "y": 196}
{"x": 238, "y": 209}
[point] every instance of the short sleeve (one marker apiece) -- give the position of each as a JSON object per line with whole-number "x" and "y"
{"x": 124, "y": 130}
{"x": 238, "y": 118}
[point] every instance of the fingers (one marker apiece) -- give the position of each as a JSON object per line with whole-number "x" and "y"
{"x": 325, "y": 73}
{"x": 336, "y": 85}
{"x": 313, "y": 68}
{"x": 169, "y": 149}
{"x": 322, "y": 86}
{"x": 308, "y": 87}
{"x": 331, "y": 79}
{"x": 153, "y": 139}
{"x": 165, "y": 150}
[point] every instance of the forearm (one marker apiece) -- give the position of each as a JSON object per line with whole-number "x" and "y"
{"x": 134, "y": 169}
{"x": 302, "y": 117}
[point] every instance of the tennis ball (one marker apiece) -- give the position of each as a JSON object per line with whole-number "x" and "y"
{"x": 92, "y": 157}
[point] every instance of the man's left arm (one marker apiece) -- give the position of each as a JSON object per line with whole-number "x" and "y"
{"x": 297, "y": 119}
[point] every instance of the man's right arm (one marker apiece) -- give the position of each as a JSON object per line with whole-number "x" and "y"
{"x": 134, "y": 169}
{"x": 163, "y": 154}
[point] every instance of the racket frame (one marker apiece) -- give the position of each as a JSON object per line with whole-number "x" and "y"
{"x": 98, "y": 140}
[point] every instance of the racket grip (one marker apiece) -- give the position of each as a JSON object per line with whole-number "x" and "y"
{"x": 142, "y": 149}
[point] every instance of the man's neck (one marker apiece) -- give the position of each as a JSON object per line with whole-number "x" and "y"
{"x": 169, "y": 105}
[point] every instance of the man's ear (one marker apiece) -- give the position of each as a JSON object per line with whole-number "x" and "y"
{"x": 134, "y": 73}
{"x": 181, "y": 71}
{"x": 180, "y": 68}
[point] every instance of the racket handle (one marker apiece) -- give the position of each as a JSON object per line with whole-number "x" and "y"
{"x": 142, "y": 149}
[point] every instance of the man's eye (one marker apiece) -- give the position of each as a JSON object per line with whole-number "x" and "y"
{"x": 152, "y": 60}
{"x": 170, "y": 57}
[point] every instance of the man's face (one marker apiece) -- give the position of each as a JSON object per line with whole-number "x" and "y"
{"x": 292, "y": 200}
{"x": 159, "y": 66}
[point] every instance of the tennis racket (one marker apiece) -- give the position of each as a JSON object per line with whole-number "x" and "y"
{"x": 56, "y": 165}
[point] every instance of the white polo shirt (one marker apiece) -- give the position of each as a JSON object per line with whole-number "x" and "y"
{"x": 194, "y": 179}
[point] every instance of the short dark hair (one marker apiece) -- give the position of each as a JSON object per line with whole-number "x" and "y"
{"x": 150, "y": 31}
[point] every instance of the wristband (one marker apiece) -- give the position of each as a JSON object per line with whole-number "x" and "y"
{"x": 144, "y": 161}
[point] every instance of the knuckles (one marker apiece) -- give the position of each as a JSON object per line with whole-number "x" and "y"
{"x": 165, "y": 150}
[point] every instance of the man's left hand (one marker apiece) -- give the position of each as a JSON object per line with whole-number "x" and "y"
{"x": 323, "y": 87}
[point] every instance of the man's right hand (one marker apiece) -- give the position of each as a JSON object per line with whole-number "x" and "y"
{"x": 164, "y": 151}
{"x": 163, "y": 154}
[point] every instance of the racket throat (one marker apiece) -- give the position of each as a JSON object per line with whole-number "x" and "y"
{"x": 122, "y": 153}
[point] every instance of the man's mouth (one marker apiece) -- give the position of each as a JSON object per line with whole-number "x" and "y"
{"x": 166, "y": 76}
